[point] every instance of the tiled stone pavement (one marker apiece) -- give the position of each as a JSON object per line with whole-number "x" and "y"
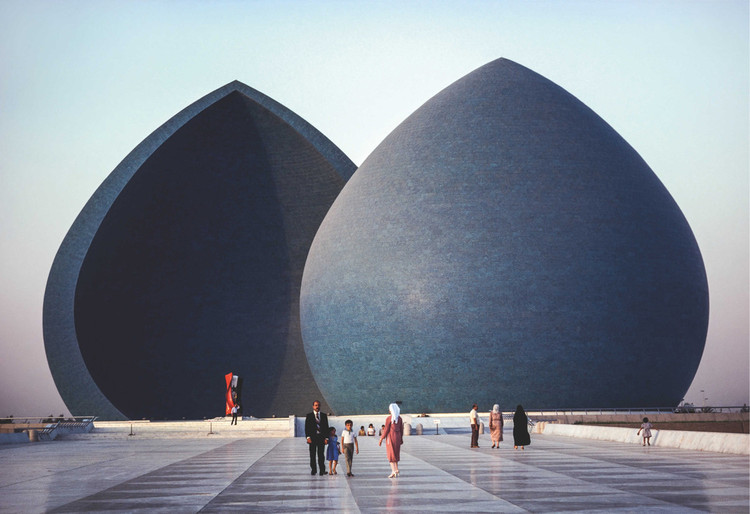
{"x": 438, "y": 474}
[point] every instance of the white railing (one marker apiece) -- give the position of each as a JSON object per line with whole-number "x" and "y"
{"x": 28, "y": 420}
{"x": 684, "y": 408}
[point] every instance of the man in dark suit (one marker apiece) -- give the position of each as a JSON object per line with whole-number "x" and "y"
{"x": 316, "y": 431}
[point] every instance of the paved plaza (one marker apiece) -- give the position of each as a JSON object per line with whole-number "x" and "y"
{"x": 438, "y": 474}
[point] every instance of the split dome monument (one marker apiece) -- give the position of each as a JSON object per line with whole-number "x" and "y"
{"x": 502, "y": 245}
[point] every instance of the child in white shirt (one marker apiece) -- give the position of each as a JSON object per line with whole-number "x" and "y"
{"x": 349, "y": 443}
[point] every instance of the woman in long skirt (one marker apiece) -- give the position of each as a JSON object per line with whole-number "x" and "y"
{"x": 520, "y": 429}
{"x": 393, "y": 435}
{"x": 496, "y": 426}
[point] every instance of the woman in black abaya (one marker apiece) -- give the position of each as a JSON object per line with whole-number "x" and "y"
{"x": 520, "y": 429}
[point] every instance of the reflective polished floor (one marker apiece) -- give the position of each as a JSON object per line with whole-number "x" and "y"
{"x": 438, "y": 474}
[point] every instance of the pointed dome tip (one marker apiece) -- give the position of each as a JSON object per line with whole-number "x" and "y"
{"x": 505, "y": 60}
{"x": 236, "y": 83}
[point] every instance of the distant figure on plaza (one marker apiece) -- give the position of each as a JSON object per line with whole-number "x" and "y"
{"x": 235, "y": 410}
{"x": 316, "y": 431}
{"x": 380, "y": 432}
{"x": 393, "y": 434}
{"x": 521, "y": 435}
{"x": 496, "y": 426}
{"x": 332, "y": 454}
{"x": 474, "y": 421}
{"x": 646, "y": 428}
{"x": 370, "y": 430}
{"x": 362, "y": 430}
{"x": 349, "y": 444}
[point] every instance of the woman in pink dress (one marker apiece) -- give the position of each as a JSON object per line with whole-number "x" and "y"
{"x": 496, "y": 426}
{"x": 393, "y": 435}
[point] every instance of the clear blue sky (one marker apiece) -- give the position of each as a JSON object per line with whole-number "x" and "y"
{"x": 83, "y": 82}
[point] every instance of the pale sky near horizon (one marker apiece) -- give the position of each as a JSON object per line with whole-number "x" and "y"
{"x": 83, "y": 82}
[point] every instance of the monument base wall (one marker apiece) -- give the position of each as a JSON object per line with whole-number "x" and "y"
{"x": 683, "y": 439}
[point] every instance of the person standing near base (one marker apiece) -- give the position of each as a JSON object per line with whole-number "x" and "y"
{"x": 474, "y": 420}
{"x": 235, "y": 409}
{"x": 521, "y": 435}
{"x": 349, "y": 444}
{"x": 496, "y": 426}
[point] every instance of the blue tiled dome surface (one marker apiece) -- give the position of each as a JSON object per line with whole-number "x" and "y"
{"x": 503, "y": 245}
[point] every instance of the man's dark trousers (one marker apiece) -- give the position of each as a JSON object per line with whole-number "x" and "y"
{"x": 474, "y": 436}
{"x": 317, "y": 445}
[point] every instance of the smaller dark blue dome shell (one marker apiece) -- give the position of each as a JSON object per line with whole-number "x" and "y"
{"x": 503, "y": 245}
{"x": 186, "y": 265}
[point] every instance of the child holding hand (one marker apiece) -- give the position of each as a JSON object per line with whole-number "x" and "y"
{"x": 333, "y": 452}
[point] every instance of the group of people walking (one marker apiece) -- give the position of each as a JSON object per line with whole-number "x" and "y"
{"x": 521, "y": 435}
{"x": 319, "y": 435}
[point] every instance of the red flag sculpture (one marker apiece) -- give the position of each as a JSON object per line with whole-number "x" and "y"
{"x": 229, "y": 400}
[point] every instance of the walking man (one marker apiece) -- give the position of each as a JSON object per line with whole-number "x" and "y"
{"x": 474, "y": 420}
{"x": 316, "y": 431}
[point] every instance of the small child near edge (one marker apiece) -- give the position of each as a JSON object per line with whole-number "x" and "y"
{"x": 646, "y": 427}
{"x": 349, "y": 443}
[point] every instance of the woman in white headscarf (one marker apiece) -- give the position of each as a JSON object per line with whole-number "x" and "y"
{"x": 496, "y": 426}
{"x": 393, "y": 435}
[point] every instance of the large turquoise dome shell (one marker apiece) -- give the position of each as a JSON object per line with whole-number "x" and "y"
{"x": 503, "y": 245}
